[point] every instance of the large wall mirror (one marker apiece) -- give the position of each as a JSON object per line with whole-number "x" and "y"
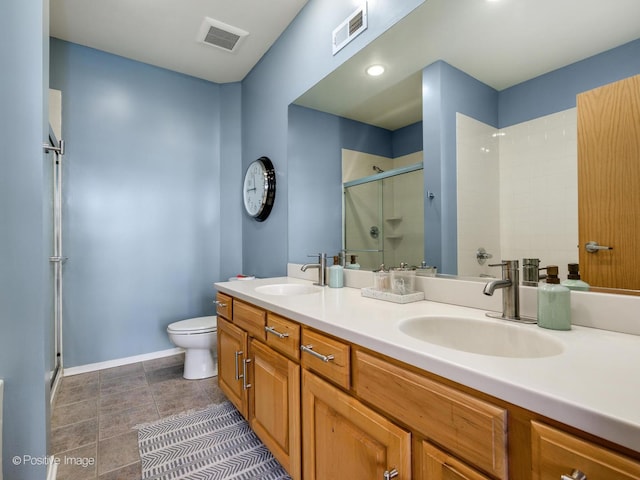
{"x": 492, "y": 86}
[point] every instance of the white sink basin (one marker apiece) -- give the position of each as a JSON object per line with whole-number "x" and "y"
{"x": 482, "y": 337}
{"x": 288, "y": 289}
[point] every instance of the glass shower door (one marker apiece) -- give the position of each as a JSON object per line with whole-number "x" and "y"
{"x": 363, "y": 227}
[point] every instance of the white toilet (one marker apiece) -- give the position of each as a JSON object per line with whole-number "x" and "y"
{"x": 198, "y": 336}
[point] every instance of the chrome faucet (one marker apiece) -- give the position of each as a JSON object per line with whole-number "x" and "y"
{"x": 321, "y": 266}
{"x": 511, "y": 293}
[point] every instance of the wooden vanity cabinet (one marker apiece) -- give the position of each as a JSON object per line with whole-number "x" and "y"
{"x": 343, "y": 438}
{"x": 557, "y": 453}
{"x": 344, "y": 411}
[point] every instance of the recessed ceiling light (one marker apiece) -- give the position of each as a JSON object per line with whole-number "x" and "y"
{"x": 375, "y": 70}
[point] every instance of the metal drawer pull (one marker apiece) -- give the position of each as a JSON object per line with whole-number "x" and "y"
{"x": 575, "y": 475}
{"x": 238, "y": 353}
{"x": 309, "y": 349}
{"x": 388, "y": 475}
{"x": 245, "y": 385}
{"x": 275, "y": 332}
{"x": 218, "y": 303}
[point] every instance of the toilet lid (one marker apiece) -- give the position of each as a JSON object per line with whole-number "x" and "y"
{"x": 194, "y": 325}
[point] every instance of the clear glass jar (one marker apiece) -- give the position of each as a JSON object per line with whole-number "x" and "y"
{"x": 403, "y": 280}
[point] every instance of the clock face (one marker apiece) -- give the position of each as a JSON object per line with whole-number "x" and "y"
{"x": 259, "y": 188}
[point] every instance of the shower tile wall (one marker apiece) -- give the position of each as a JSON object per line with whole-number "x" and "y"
{"x": 478, "y": 195}
{"x": 537, "y": 185}
{"x": 539, "y": 190}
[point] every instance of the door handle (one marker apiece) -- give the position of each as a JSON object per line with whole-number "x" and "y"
{"x": 594, "y": 247}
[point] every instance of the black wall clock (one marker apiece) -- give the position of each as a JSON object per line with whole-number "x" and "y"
{"x": 259, "y": 190}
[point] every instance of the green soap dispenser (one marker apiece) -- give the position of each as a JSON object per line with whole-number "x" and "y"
{"x": 554, "y": 302}
{"x": 336, "y": 273}
{"x": 573, "y": 281}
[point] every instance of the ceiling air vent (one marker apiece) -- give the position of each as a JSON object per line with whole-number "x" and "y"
{"x": 218, "y": 34}
{"x": 354, "y": 25}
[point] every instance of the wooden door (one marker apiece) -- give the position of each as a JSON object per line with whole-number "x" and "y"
{"x": 345, "y": 439}
{"x": 274, "y": 405}
{"x": 609, "y": 183}
{"x": 438, "y": 465}
{"x": 232, "y": 353}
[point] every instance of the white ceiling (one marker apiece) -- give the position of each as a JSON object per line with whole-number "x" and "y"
{"x": 163, "y": 32}
{"x": 501, "y": 43}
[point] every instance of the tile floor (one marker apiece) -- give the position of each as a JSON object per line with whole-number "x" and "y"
{"x": 94, "y": 415}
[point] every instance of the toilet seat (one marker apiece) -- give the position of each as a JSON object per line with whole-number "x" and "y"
{"x": 194, "y": 326}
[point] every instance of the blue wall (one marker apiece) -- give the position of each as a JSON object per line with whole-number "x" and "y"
{"x": 299, "y": 59}
{"x": 24, "y": 290}
{"x": 557, "y": 90}
{"x": 144, "y": 194}
{"x": 407, "y": 140}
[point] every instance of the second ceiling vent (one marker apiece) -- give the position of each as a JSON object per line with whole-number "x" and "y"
{"x": 218, "y": 34}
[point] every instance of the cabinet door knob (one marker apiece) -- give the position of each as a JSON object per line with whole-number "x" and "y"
{"x": 389, "y": 474}
{"x": 575, "y": 475}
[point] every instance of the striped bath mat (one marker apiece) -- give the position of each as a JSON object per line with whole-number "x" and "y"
{"x": 213, "y": 444}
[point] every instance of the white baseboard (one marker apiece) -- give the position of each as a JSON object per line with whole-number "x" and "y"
{"x": 118, "y": 362}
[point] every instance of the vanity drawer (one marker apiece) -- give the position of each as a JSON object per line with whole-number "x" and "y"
{"x": 557, "y": 453}
{"x": 330, "y": 357}
{"x": 224, "y": 306}
{"x": 471, "y": 428}
{"x": 250, "y": 318}
{"x": 283, "y": 335}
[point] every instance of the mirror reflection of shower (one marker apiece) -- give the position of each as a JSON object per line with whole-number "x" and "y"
{"x": 383, "y": 212}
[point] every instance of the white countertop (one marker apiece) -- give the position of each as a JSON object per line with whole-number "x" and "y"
{"x": 593, "y": 385}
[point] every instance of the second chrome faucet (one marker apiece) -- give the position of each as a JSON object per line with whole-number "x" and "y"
{"x": 509, "y": 283}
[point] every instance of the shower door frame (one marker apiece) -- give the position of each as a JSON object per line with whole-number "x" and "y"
{"x": 56, "y": 148}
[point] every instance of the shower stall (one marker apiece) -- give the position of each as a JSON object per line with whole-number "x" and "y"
{"x": 383, "y": 217}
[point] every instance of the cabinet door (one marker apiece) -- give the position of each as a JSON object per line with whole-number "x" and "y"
{"x": 557, "y": 453}
{"x": 232, "y": 357}
{"x": 438, "y": 465}
{"x": 274, "y": 405}
{"x": 345, "y": 439}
